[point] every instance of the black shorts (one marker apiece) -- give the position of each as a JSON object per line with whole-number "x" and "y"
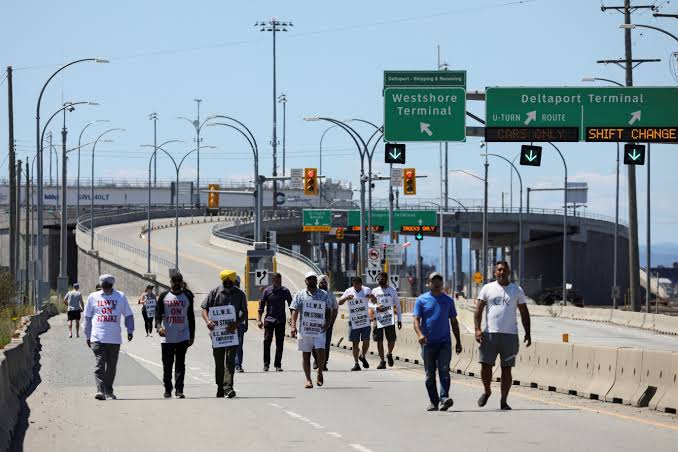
{"x": 74, "y": 315}
{"x": 378, "y": 333}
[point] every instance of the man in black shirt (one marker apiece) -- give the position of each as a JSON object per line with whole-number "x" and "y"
{"x": 274, "y": 300}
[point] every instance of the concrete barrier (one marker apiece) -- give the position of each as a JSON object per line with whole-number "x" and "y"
{"x": 581, "y": 370}
{"x": 525, "y": 362}
{"x": 627, "y": 318}
{"x": 653, "y": 378}
{"x": 627, "y": 376}
{"x": 473, "y": 367}
{"x": 669, "y": 401}
{"x": 665, "y": 324}
{"x": 648, "y": 322}
{"x": 467, "y": 354}
{"x": 603, "y": 363}
{"x": 552, "y": 365}
{"x": 16, "y": 372}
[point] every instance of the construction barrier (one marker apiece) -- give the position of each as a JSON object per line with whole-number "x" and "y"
{"x": 627, "y": 376}
{"x": 473, "y": 367}
{"x": 603, "y": 363}
{"x": 627, "y": 318}
{"x": 653, "y": 378}
{"x": 648, "y": 321}
{"x": 525, "y": 362}
{"x": 581, "y": 371}
{"x": 665, "y": 324}
{"x": 669, "y": 401}
{"x": 552, "y": 367}
{"x": 467, "y": 353}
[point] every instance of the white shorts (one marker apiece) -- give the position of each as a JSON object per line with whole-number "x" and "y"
{"x": 307, "y": 344}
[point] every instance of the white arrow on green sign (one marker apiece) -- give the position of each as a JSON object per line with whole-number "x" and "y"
{"x": 400, "y": 218}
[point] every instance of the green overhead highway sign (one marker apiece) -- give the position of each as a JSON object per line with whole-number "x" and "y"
{"x": 424, "y": 78}
{"x": 317, "y": 220}
{"x": 610, "y": 114}
{"x": 400, "y": 218}
{"x": 424, "y": 114}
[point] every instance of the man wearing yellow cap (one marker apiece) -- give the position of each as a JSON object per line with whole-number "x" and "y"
{"x": 234, "y": 300}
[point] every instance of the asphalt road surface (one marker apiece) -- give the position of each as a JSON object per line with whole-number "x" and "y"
{"x": 371, "y": 410}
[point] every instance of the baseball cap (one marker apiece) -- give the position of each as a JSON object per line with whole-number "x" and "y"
{"x": 434, "y": 275}
{"x": 310, "y": 274}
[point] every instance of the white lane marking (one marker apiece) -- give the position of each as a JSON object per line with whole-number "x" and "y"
{"x": 360, "y": 447}
{"x": 275, "y": 405}
{"x": 139, "y": 358}
{"x": 293, "y": 414}
{"x": 315, "y": 425}
{"x": 335, "y": 434}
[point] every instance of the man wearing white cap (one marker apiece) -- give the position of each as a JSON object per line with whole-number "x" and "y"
{"x": 103, "y": 312}
{"x": 311, "y": 306}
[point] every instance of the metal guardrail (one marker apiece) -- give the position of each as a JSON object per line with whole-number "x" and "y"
{"x": 217, "y": 230}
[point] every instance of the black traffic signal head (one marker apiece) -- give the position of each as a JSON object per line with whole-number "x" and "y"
{"x": 394, "y": 153}
{"x": 634, "y": 154}
{"x": 419, "y": 236}
{"x": 410, "y": 181}
{"x": 310, "y": 181}
{"x": 530, "y": 155}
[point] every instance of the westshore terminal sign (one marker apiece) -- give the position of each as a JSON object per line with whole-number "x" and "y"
{"x": 604, "y": 114}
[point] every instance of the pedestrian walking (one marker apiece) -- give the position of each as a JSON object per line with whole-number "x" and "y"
{"x": 242, "y": 329}
{"x": 432, "y": 312}
{"x": 275, "y": 300}
{"x": 387, "y": 314}
{"x": 310, "y": 309}
{"x": 323, "y": 283}
{"x": 500, "y": 300}
{"x": 175, "y": 323}
{"x": 359, "y": 320}
{"x": 223, "y": 309}
{"x": 149, "y": 301}
{"x": 73, "y": 300}
{"x": 103, "y": 313}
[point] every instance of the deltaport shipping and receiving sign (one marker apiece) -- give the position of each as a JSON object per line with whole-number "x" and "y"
{"x": 605, "y": 114}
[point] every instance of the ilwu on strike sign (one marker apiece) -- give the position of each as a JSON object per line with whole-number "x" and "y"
{"x": 357, "y": 309}
{"x": 223, "y": 316}
{"x": 312, "y": 318}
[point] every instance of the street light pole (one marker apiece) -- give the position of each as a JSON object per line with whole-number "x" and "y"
{"x": 91, "y": 200}
{"x": 521, "y": 248}
{"x": 274, "y": 26}
{"x": 283, "y": 100}
{"x": 77, "y": 209}
{"x": 564, "y": 288}
{"x": 38, "y": 147}
{"x": 320, "y": 164}
{"x": 485, "y": 225}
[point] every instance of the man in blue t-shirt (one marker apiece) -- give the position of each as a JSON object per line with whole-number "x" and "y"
{"x": 432, "y": 311}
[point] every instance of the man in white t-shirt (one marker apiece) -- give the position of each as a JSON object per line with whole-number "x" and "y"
{"x": 103, "y": 312}
{"x": 500, "y": 300}
{"x": 359, "y": 323}
{"x": 386, "y": 307}
{"x": 73, "y": 300}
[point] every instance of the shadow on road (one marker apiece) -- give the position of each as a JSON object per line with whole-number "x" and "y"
{"x": 23, "y": 423}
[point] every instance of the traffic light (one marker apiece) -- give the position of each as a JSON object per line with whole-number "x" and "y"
{"x": 212, "y": 198}
{"x": 311, "y": 181}
{"x": 634, "y": 154}
{"x": 340, "y": 233}
{"x": 530, "y": 155}
{"x": 419, "y": 236}
{"x": 410, "y": 181}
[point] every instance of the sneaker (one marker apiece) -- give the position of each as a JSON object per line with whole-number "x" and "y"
{"x": 432, "y": 407}
{"x": 315, "y": 365}
{"x": 325, "y": 368}
{"x": 220, "y": 393}
{"x": 266, "y": 368}
{"x": 167, "y": 394}
{"x": 112, "y": 396}
{"x": 366, "y": 365}
{"x": 389, "y": 357}
{"x": 356, "y": 367}
{"x": 239, "y": 369}
{"x": 180, "y": 395}
{"x": 230, "y": 393}
{"x": 382, "y": 365}
{"x": 70, "y": 336}
{"x": 483, "y": 400}
{"x": 446, "y": 404}
{"x": 100, "y": 396}
{"x": 505, "y": 406}
{"x": 278, "y": 369}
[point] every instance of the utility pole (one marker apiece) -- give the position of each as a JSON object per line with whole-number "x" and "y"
{"x": 12, "y": 176}
{"x": 197, "y": 144}
{"x": 628, "y": 64}
{"x": 283, "y": 100}
{"x": 17, "y": 222}
{"x": 62, "y": 283}
{"x": 274, "y": 26}
{"x": 154, "y": 117}
{"x": 27, "y": 237}
{"x": 483, "y": 260}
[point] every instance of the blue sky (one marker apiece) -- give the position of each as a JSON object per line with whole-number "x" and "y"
{"x": 165, "y": 54}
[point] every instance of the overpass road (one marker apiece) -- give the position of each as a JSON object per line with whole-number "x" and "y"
{"x": 201, "y": 262}
{"x": 371, "y": 410}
